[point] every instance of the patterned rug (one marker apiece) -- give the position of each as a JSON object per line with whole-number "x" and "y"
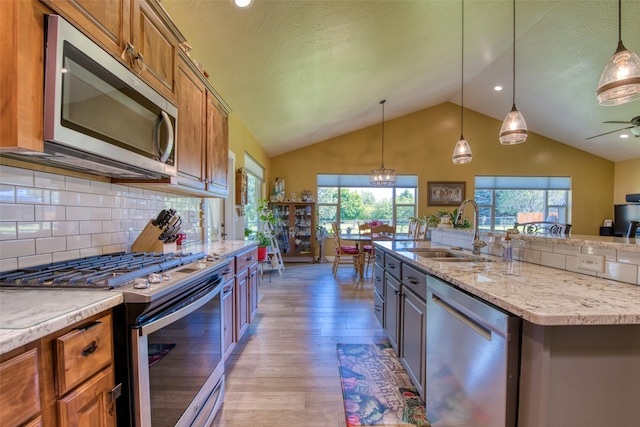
{"x": 376, "y": 389}
{"x": 158, "y": 351}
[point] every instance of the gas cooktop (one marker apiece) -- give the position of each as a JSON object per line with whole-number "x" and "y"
{"x": 107, "y": 271}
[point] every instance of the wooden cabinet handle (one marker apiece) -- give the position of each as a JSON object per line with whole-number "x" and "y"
{"x": 90, "y": 349}
{"x": 249, "y": 258}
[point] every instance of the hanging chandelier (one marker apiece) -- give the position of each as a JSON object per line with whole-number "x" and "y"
{"x": 383, "y": 176}
{"x": 620, "y": 80}
{"x": 462, "y": 151}
{"x": 514, "y": 128}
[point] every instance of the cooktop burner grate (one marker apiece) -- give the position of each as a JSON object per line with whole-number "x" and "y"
{"x": 98, "y": 272}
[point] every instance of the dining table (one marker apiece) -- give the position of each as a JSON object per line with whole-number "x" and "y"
{"x": 361, "y": 240}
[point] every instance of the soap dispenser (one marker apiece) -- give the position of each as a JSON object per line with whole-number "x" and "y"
{"x": 507, "y": 249}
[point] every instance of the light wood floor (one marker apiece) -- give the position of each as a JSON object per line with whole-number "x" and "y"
{"x": 284, "y": 371}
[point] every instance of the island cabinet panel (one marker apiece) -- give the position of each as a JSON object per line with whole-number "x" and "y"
{"x": 582, "y": 375}
{"x": 392, "y": 310}
{"x": 19, "y": 389}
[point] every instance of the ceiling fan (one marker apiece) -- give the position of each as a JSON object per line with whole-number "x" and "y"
{"x": 635, "y": 127}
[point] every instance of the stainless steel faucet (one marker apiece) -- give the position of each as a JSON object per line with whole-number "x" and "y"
{"x": 477, "y": 243}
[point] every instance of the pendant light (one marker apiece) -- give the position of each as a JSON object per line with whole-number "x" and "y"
{"x": 381, "y": 177}
{"x": 462, "y": 151}
{"x": 620, "y": 80}
{"x": 514, "y": 128}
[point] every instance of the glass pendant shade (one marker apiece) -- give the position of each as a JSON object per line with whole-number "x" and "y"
{"x": 462, "y": 152}
{"x": 514, "y": 128}
{"x": 620, "y": 80}
{"x": 243, "y": 3}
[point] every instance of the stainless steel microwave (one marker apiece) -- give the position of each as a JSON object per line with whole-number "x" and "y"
{"x": 99, "y": 117}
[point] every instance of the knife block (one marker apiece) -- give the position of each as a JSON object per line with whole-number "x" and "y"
{"x": 148, "y": 241}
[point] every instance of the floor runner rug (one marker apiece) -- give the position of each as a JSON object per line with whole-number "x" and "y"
{"x": 158, "y": 351}
{"x": 376, "y": 389}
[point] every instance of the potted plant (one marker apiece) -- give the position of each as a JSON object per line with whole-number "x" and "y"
{"x": 264, "y": 241}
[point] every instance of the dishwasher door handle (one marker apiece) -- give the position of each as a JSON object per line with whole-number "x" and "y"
{"x": 468, "y": 321}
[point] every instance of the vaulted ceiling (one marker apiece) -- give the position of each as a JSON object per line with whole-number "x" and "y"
{"x": 297, "y": 72}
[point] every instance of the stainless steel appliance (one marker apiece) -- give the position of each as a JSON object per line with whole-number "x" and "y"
{"x": 99, "y": 117}
{"x": 171, "y": 301}
{"x": 472, "y": 360}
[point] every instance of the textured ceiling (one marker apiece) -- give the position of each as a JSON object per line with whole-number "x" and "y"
{"x": 299, "y": 72}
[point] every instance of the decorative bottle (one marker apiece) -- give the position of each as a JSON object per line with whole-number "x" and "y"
{"x": 507, "y": 249}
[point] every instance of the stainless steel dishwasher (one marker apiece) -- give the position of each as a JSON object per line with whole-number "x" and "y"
{"x": 472, "y": 360}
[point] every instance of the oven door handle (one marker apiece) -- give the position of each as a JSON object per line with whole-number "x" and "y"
{"x": 148, "y": 328}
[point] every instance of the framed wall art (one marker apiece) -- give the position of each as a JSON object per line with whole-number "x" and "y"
{"x": 445, "y": 193}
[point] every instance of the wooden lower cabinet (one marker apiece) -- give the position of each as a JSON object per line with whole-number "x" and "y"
{"x": 253, "y": 291}
{"x": 20, "y": 389}
{"x": 228, "y": 307}
{"x": 90, "y": 403}
{"x": 64, "y": 379}
{"x": 242, "y": 302}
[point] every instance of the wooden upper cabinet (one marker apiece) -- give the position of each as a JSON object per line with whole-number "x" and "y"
{"x": 156, "y": 49}
{"x": 192, "y": 117}
{"x": 217, "y": 149}
{"x": 108, "y": 22}
{"x": 22, "y": 75}
{"x": 138, "y": 33}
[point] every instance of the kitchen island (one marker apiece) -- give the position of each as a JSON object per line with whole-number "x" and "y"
{"x": 580, "y": 336}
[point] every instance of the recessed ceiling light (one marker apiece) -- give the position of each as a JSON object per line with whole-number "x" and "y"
{"x": 243, "y": 3}
{"x": 624, "y": 136}
{"x": 497, "y": 88}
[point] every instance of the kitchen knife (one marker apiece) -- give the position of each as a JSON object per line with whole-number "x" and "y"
{"x": 160, "y": 217}
{"x": 171, "y": 230}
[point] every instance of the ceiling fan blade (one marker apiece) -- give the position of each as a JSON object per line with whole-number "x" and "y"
{"x": 616, "y": 121}
{"x": 607, "y": 133}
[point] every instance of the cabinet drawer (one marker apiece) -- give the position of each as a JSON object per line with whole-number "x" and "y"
{"x": 392, "y": 265}
{"x": 83, "y": 352}
{"x": 245, "y": 259}
{"x": 415, "y": 280}
{"x": 229, "y": 272}
{"x": 19, "y": 389}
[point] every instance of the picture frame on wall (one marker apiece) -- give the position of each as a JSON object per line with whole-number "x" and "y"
{"x": 445, "y": 193}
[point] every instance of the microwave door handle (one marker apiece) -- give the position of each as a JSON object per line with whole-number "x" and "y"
{"x": 168, "y": 145}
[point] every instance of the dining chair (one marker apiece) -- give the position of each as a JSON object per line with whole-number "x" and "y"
{"x": 413, "y": 229}
{"x": 421, "y": 231}
{"x": 367, "y": 245}
{"x": 383, "y": 232}
{"x": 344, "y": 254}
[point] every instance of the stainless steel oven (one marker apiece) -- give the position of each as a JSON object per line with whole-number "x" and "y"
{"x": 177, "y": 362}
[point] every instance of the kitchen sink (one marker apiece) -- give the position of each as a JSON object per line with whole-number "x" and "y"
{"x": 442, "y": 255}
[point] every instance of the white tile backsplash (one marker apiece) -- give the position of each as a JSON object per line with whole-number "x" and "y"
{"x": 16, "y": 176}
{"x": 10, "y": 212}
{"x": 48, "y": 180}
{"x": 45, "y": 217}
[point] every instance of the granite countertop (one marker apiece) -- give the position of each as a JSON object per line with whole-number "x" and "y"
{"x": 27, "y": 315}
{"x": 541, "y": 295}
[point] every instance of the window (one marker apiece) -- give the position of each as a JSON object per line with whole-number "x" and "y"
{"x": 255, "y": 178}
{"x": 350, "y": 200}
{"x": 505, "y": 200}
